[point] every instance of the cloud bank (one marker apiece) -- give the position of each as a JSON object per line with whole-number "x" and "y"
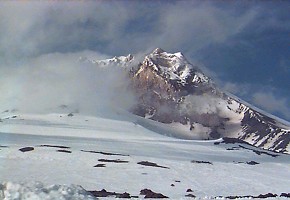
{"x": 49, "y": 82}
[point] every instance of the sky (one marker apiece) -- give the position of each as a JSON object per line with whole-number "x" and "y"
{"x": 244, "y": 46}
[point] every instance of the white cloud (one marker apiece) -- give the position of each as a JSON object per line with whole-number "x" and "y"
{"x": 46, "y": 82}
{"x": 272, "y": 103}
{"x": 33, "y": 28}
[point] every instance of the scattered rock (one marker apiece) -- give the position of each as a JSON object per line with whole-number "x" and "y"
{"x": 260, "y": 152}
{"x": 285, "y": 195}
{"x": 151, "y": 164}
{"x": 100, "y": 165}
{"x": 261, "y": 196}
{"x": 227, "y": 140}
{"x": 201, "y": 162}
{"x": 113, "y": 161}
{"x": 237, "y": 197}
{"x": 55, "y": 146}
{"x": 190, "y": 195}
{"x": 233, "y": 148}
{"x": 264, "y": 196}
{"x": 150, "y": 194}
{"x": 63, "y": 151}
{"x": 104, "y": 193}
{"x": 25, "y": 149}
{"x": 252, "y": 163}
{"x": 105, "y": 153}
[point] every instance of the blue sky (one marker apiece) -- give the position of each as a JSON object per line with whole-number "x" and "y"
{"x": 243, "y": 45}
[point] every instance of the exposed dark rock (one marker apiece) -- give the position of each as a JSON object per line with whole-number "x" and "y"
{"x": 189, "y": 190}
{"x": 177, "y": 181}
{"x": 100, "y": 165}
{"x": 3, "y": 146}
{"x": 227, "y": 140}
{"x": 55, "y": 146}
{"x": 172, "y": 185}
{"x": 252, "y": 163}
{"x": 260, "y": 152}
{"x": 233, "y": 148}
{"x": 285, "y": 195}
{"x": 153, "y": 195}
{"x": 70, "y": 115}
{"x": 238, "y": 197}
{"x": 151, "y": 164}
{"x": 25, "y": 149}
{"x": 264, "y": 128}
{"x": 105, "y": 153}
{"x": 104, "y": 193}
{"x": 190, "y": 195}
{"x": 261, "y": 196}
{"x": 264, "y": 196}
{"x": 63, "y": 151}
{"x": 13, "y": 117}
{"x": 240, "y": 142}
{"x": 201, "y": 162}
{"x": 113, "y": 161}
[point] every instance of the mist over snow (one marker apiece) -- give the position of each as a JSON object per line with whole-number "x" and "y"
{"x": 47, "y": 82}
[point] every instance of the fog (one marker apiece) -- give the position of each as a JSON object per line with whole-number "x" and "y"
{"x": 46, "y": 83}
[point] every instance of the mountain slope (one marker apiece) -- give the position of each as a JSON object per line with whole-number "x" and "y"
{"x": 43, "y": 154}
{"x": 171, "y": 90}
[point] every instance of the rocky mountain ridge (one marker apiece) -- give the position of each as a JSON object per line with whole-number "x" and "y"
{"x": 172, "y": 91}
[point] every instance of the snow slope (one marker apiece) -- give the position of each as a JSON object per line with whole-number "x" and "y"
{"x": 63, "y": 154}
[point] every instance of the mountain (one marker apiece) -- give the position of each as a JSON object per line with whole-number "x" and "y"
{"x": 172, "y": 91}
{"x": 73, "y": 154}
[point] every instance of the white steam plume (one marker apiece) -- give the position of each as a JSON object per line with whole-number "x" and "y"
{"x": 44, "y": 83}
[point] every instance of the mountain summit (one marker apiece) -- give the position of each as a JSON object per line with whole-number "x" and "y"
{"x": 172, "y": 91}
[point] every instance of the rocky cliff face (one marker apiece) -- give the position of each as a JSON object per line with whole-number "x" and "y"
{"x": 171, "y": 90}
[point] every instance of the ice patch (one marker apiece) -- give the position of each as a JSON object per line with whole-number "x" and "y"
{"x": 38, "y": 191}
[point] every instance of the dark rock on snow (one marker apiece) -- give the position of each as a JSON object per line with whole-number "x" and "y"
{"x": 55, "y": 146}
{"x": 104, "y": 193}
{"x": 100, "y": 165}
{"x": 113, "y": 161}
{"x": 151, "y": 164}
{"x": 153, "y": 195}
{"x": 63, "y": 151}
{"x": 201, "y": 162}
{"x": 25, "y": 149}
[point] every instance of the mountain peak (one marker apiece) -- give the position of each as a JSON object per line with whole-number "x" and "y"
{"x": 158, "y": 51}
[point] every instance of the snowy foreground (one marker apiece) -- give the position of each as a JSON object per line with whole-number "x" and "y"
{"x": 57, "y": 156}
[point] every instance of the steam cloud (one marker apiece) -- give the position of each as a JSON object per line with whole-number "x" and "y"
{"x": 44, "y": 83}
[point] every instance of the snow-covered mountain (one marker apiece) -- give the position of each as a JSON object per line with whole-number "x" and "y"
{"x": 173, "y": 91}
